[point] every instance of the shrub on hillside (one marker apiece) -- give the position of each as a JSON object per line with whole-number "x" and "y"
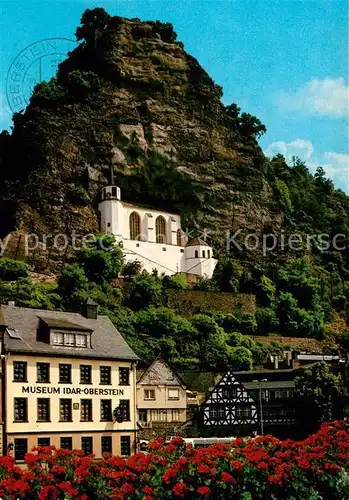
{"x": 11, "y": 270}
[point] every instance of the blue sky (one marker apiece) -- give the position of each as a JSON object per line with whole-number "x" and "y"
{"x": 286, "y": 61}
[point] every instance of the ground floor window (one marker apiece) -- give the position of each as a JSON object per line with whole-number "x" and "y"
{"x": 66, "y": 443}
{"x": 142, "y": 414}
{"x": 175, "y": 415}
{"x": 125, "y": 445}
{"x": 86, "y": 445}
{"x": 43, "y": 441}
{"x": 158, "y": 415}
{"x": 21, "y": 448}
{"x": 106, "y": 444}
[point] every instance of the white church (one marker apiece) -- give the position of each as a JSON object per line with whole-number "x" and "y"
{"x": 153, "y": 237}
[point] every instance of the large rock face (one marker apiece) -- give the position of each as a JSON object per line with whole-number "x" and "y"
{"x": 151, "y": 97}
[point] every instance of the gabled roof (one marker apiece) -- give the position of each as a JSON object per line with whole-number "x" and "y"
{"x": 229, "y": 380}
{"x": 91, "y": 302}
{"x": 197, "y": 242}
{"x": 106, "y": 341}
{"x": 159, "y": 373}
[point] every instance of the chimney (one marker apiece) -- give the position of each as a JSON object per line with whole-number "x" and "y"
{"x": 91, "y": 309}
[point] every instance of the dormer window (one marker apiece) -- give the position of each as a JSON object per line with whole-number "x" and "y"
{"x": 80, "y": 340}
{"x": 61, "y": 332}
{"x": 68, "y": 339}
{"x": 58, "y": 338}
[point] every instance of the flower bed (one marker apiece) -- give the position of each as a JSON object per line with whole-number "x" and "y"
{"x": 261, "y": 468}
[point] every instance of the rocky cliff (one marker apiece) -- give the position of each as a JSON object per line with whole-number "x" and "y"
{"x": 130, "y": 98}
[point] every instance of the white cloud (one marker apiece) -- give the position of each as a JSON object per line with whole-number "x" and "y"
{"x": 329, "y": 97}
{"x": 340, "y": 158}
{"x": 300, "y": 147}
{"x": 336, "y": 165}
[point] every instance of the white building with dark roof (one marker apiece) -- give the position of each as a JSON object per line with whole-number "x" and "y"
{"x": 153, "y": 237}
{"x": 69, "y": 381}
{"x": 161, "y": 396}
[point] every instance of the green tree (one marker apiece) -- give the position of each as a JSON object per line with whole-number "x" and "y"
{"x": 240, "y": 358}
{"x": 132, "y": 268}
{"x": 249, "y": 125}
{"x": 101, "y": 259}
{"x": 205, "y": 285}
{"x": 146, "y": 290}
{"x": 227, "y": 274}
{"x": 176, "y": 282}
{"x": 284, "y": 195}
{"x": 71, "y": 286}
{"x": 318, "y": 396}
{"x": 93, "y": 23}
{"x": 296, "y": 278}
{"x": 11, "y": 270}
{"x": 267, "y": 321}
{"x": 25, "y": 293}
{"x": 267, "y": 291}
{"x": 287, "y": 309}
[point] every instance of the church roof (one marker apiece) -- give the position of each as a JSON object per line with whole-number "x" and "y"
{"x": 197, "y": 242}
{"x": 143, "y": 206}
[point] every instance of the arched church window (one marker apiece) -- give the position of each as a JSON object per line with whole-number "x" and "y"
{"x": 160, "y": 229}
{"x": 209, "y": 254}
{"x": 196, "y": 254}
{"x": 179, "y": 238}
{"x": 203, "y": 253}
{"x": 135, "y": 226}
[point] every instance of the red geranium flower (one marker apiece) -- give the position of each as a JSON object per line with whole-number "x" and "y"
{"x": 58, "y": 469}
{"x": 127, "y": 488}
{"x": 203, "y": 469}
{"x": 68, "y": 488}
{"x": 177, "y": 441}
{"x": 236, "y": 464}
{"x": 148, "y": 490}
{"x": 226, "y": 477}
{"x": 180, "y": 489}
{"x": 204, "y": 490}
{"x": 48, "y": 493}
{"x": 30, "y": 458}
{"x": 262, "y": 465}
{"x": 168, "y": 475}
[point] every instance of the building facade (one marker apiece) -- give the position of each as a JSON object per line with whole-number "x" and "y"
{"x": 161, "y": 397}
{"x": 69, "y": 381}
{"x": 250, "y": 402}
{"x": 153, "y": 237}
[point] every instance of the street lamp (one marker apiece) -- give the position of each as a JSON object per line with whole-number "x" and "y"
{"x": 260, "y": 402}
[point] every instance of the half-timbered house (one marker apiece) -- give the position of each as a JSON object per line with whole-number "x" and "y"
{"x": 229, "y": 408}
{"x": 249, "y": 402}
